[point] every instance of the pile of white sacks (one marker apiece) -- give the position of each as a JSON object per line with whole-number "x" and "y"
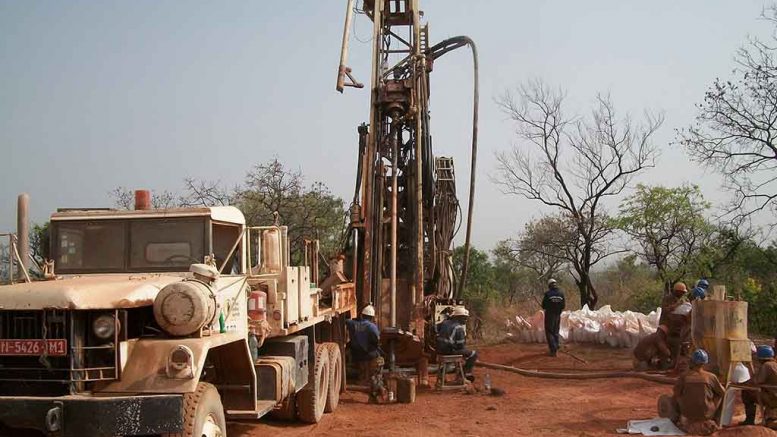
{"x": 603, "y": 326}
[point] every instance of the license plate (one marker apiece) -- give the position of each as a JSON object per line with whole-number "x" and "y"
{"x": 33, "y": 347}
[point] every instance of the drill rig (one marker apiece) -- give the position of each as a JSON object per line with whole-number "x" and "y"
{"x": 405, "y": 211}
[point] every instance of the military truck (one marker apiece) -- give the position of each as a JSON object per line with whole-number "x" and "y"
{"x": 167, "y": 322}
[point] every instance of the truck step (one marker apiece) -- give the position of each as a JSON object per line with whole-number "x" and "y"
{"x": 262, "y": 408}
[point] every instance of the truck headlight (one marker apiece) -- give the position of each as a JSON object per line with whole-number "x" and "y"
{"x": 104, "y": 327}
{"x": 180, "y": 363}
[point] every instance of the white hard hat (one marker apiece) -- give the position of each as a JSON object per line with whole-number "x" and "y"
{"x": 551, "y": 281}
{"x": 460, "y": 311}
{"x": 740, "y": 374}
{"x": 683, "y": 309}
{"x": 369, "y": 310}
{"x": 206, "y": 270}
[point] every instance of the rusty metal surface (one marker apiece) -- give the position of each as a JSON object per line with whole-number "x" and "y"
{"x": 88, "y": 292}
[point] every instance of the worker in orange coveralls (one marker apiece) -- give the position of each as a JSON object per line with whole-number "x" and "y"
{"x": 652, "y": 351}
{"x": 696, "y": 398}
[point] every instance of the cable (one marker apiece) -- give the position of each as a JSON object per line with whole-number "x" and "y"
{"x": 435, "y": 52}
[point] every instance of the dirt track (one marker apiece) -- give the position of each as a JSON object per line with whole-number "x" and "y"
{"x": 530, "y": 407}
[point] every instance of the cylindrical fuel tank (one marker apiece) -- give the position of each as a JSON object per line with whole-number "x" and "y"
{"x": 183, "y": 308}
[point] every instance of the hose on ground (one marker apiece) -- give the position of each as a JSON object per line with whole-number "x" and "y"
{"x": 580, "y": 376}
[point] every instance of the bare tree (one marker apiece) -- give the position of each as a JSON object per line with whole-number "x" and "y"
{"x": 736, "y": 128}
{"x": 205, "y": 193}
{"x": 573, "y": 164}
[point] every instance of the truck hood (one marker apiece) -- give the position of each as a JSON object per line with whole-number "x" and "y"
{"x": 89, "y": 292}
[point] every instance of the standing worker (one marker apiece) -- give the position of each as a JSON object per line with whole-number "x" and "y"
{"x": 365, "y": 344}
{"x": 672, "y": 300}
{"x": 696, "y": 399}
{"x": 767, "y": 375}
{"x": 700, "y": 291}
{"x": 452, "y": 339}
{"x": 553, "y": 304}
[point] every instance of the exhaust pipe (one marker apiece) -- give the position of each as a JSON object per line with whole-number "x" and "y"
{"x": 23, "y": 231}
{"x": 142, "y": 199}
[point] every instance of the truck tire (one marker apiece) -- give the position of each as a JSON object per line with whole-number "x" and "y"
{"x": 203, "y": 414}
{"x": 288, "y": 409}
{"x": 312, "y": 399}
{"x": 335, "y": 377}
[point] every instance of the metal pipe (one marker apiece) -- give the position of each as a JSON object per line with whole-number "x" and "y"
{"x": 420, "y": 135}
{"x": 343, "y": 69}
{"x": 23, "y": 231}
{"x": 395, "y": 132}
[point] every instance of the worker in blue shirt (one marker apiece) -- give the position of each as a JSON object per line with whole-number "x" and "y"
{"x": 700, "y": 291}
{"x": 452, "y": 339}
{"x": 553, "y": 303}
{"x": 365, "y": 344}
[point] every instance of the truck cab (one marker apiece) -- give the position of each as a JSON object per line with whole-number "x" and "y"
{"x": 168, "y": 321}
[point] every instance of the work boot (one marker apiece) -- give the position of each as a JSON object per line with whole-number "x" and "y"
{"x": 749, "y": 416}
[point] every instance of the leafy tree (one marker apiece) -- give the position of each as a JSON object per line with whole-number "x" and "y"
{"x": 572, "y": 164}
{"x": 310, "y": 212}
{"x": 668, "y": 226}
{"x": 736, "y": 128}
{"x": 479, "y": 288}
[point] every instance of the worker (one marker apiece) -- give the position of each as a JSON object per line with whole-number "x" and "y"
{"x": 676, "y": 315}
{"x": 365, "y": 344}
{"x": 699, "y": 292}
{"x": 452, "y": 339}
{"x": 652, "y": 351}
{"x": 553, "y": 304}
{"x": 767, "y": 376}
{"x": 696, "y": 397}
{"x": 672, "y": 300}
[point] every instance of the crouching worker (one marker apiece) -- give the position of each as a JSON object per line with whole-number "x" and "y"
{"x": 766, "y": 376}
{"x": 452, "y": 339}
{"x": 696, "y": 399}
{"x": 365, "y": 344}
{"x": 652, "y": 352}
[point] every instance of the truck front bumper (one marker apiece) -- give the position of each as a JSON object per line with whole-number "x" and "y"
{"x": 94, "y": 416}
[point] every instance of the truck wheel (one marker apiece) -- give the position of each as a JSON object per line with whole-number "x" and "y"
{"x": 203, "y": 414}
{"x": 288, "y": 409}
{"x": 312, "y": 399}
{"x": 335, "y": 377}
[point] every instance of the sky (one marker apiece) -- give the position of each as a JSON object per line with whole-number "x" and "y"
{"x": 142, "y": 94}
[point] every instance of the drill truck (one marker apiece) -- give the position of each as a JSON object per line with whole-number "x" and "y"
{"x": 169, "y": 321}
{"x": 405, "y": 210}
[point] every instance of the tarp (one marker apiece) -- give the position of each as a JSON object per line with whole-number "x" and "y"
{"x": 602, "y": 326}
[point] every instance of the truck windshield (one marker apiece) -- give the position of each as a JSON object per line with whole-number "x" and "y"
{"x": 128, "y": 245}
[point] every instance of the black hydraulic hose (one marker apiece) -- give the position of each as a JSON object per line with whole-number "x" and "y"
{"x": 435, "y": 52}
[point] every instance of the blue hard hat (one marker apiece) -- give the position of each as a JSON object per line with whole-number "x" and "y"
{"x": 700, "y": 356}
{"x": 703, "y": 283}
{"x": 764, "y": 352}
{"x": 699, "y": 293}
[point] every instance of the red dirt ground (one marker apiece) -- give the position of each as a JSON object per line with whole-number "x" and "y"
{"x": 530, "y": 407}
